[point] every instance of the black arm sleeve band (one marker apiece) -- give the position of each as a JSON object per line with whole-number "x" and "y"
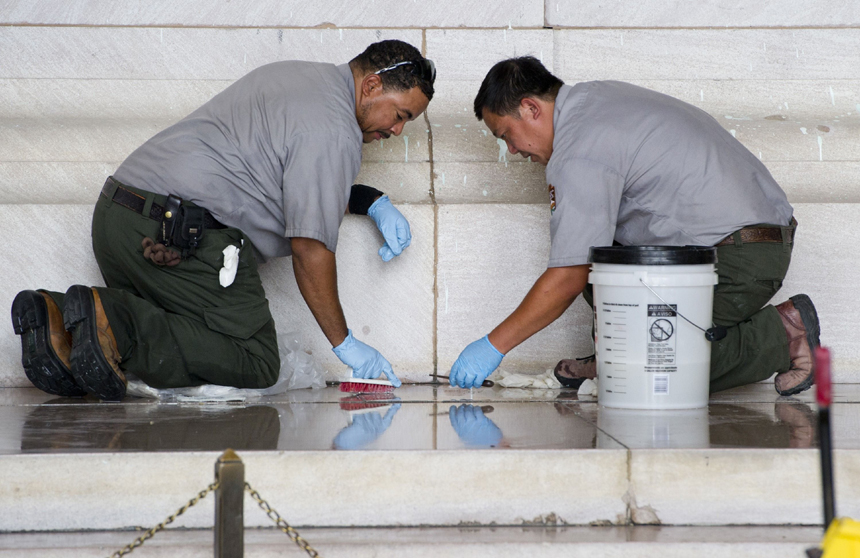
{"x": 361, "y": 198}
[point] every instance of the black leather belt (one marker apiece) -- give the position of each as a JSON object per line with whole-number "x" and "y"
{"x": 759, "y": 234}
{"x": 136, "y": 203}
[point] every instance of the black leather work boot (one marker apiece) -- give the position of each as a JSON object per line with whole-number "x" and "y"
{"x": 45, "y": 343}
{"x": 94, "y": 358}
{"x": 572, "y": 372}
{"x": 801, "y": 326}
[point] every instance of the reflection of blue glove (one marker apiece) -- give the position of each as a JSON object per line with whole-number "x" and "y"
{"x": 473, "y": 428}
{"x": 365, "y": 361}
{"x": 365, "y": 428}
{"x": 475, "y": 363}
{"x": 393, "y": 226}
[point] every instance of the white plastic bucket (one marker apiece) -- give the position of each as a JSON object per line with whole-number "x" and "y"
{"x": 648, "y": 355}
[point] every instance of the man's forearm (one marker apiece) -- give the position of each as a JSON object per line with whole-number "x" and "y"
{"x": 315, "y": 268}
{"x": 551, "y": 295}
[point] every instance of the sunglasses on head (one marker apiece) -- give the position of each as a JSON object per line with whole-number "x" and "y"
{"x": 425, "y": 69}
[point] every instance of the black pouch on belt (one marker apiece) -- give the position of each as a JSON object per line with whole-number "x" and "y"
{"x": 182, "y": 226}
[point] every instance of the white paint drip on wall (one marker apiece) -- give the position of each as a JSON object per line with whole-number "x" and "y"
{"x": 701, "y": 94}
{"x": 406, "y": 143}
{"x": 737, "y": 117}
{"x": 820, "y": 148}
{"x": 503, "y": 151}
{"x": 464, "y": 180}
{"x": 803, "y": 130}
{"x": 443, "y": 179}
{"x": 832, "y": 97}
{"x": 732, "y": 132}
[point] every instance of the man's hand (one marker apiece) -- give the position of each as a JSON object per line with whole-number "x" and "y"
{"x": 365, "y": 361}
{"x": 473, "y": 427}
{"x": 475, "y": 363}
{"x": 393, "y": 226}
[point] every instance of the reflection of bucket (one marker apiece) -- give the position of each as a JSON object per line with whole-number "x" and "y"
{"x": 648, "y": 355}
{"x": 637, "y": 429}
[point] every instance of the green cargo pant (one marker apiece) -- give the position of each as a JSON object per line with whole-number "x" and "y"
{"x": 177, "y": 326}
{"x": 755, "y": 345}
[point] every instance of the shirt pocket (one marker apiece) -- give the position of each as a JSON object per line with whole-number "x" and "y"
{"x": 241, "y": 321}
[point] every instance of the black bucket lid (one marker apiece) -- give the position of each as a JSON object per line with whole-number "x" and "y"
{"x": 653, "y": 255}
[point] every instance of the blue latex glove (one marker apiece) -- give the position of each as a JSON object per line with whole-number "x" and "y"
{"x": 475, "y": 363}
{"x": 473, "y": 427}
{"x": 393, "y": 226}
{"x": 364, "y": 429}
{"x": 365, "y": 361}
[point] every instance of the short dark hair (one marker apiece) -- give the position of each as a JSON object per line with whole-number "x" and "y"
{"x": 512, "y": 80}
{"x": 387, "y": 53}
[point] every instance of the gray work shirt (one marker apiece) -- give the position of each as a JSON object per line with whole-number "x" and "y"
{"x": 639, "y": 167}
{"x": 275, "y": 155}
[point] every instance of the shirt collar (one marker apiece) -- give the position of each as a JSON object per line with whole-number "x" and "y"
{"x": 346, "y": 72}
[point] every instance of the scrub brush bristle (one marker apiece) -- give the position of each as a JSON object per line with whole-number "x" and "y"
{"x": 360, "y": 385}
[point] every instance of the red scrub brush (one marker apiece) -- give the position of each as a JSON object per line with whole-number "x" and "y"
{"x": 361, "y": 385}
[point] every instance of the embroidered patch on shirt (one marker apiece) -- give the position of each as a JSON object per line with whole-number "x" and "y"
{"x": 551, "y": 198}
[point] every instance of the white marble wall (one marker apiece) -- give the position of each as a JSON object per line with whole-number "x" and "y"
{"x": 84, "y": 82}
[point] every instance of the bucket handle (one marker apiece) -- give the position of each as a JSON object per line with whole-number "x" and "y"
{"x": 715, "y": 333}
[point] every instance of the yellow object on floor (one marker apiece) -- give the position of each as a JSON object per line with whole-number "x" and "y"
{"x": 842, "y": 539}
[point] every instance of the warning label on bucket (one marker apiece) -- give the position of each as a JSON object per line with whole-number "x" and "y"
{"x": 661, "y": 355}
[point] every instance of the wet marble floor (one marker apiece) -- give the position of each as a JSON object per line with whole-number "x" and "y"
{"x": 417, "y": 417}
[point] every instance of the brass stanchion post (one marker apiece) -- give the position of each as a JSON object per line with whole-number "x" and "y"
{"x": 229, "y": 506}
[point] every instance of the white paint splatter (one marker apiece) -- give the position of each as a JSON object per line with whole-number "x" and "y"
{"x": 485, "y": 192}
{"x": 759, "y": 154}
{"x": 406, "y": 143}
{"x": 503, "y": 151}
{"x": 509, "y": 25}
{"x": 820, "y": 148}
{"x": 832, "y": 97}
{"x": 803, "y": 130}
{"x": 464, "y": 180}
{"x": 737, "y": 117}
{"x": 485, "y": 133}
{"x": 443, "y": 179}
{"x": 732, "y": 132}
{"x": 701, "y": 94}
{"x": 857, "y": 106}
{"x": 457, "y": 126}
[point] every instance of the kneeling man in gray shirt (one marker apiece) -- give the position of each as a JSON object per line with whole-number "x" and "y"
{"x": 264, "y": 169}
{"x": 631, "y": 166}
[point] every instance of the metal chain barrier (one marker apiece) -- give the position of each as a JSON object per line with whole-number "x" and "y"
{"x": 281, "y": 522}
{"x": 149, "y": 534}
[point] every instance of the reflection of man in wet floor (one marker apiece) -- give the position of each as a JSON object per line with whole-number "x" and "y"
{"x": 742, "y": 426}
{"x": 149, "y": 427}
{"x": 367, "y": 422}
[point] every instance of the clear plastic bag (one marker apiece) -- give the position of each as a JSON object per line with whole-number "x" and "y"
{"x": 298, "y": 371}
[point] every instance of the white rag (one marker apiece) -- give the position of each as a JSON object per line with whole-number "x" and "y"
{"x": 231, "y": 265}
{"x": 541, "y": 381}
{"x": 589, "y": 388}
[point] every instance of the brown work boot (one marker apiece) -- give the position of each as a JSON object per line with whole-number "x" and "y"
{"x": 95, "y": 357}
{"x": 45, "y": 343}
{"x": 572, "y": 372}
{"x": 801, "y": 326}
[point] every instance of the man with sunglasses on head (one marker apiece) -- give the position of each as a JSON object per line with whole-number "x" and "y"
{"x": 262, "y": 170}
{"x": 636, "y": 167}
